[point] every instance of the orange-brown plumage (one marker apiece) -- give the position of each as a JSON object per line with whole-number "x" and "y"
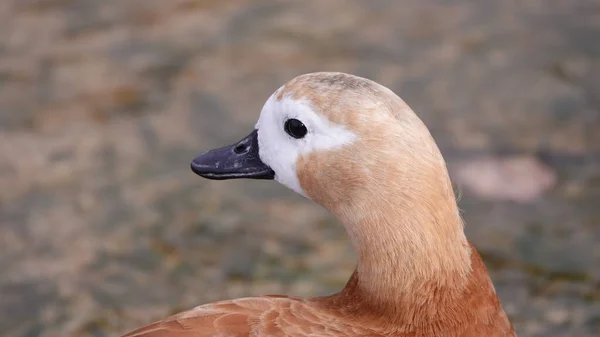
{"x": 384, "y": 178}
{"x": 471, "y": 311}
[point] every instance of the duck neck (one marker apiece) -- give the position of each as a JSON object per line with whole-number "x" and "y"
{"x": 409, "y": 243}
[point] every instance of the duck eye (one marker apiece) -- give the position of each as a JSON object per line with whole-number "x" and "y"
{"x": 295, "y": 128}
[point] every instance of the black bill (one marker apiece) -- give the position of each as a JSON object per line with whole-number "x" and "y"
{"x": 237, "y": 161}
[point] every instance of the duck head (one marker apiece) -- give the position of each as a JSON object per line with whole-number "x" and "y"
{"x": 337, "y": 139}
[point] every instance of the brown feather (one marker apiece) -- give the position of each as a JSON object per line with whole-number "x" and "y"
{"x": 472, "y": 311}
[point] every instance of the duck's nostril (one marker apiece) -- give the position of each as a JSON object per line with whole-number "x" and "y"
{"x": 239, "y": 148}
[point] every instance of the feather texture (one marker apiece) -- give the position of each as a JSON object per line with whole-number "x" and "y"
{"x": 471, "y": 311}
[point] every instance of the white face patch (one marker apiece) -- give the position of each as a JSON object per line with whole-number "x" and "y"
{"x": 281, "y": 151}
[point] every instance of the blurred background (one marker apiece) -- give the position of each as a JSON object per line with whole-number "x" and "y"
{"x": 103, "y": 104}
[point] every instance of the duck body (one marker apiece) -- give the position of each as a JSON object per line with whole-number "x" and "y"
{"x": 354, "y": 147}
{"x": 472, "y": 311}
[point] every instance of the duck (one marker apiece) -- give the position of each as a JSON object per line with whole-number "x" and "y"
{"x": 353, "y": 146}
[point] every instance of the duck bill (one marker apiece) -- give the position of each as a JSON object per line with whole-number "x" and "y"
{"x": 237, "y": 161}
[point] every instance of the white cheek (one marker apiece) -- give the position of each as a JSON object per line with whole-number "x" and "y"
{"x": 281, "y": 152}
{"x": 276, "y": 149}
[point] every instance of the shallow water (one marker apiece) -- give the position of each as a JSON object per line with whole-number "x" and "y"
{"x": 103, "y": 104}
